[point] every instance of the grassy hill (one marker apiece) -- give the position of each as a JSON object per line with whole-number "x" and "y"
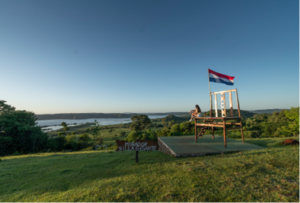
{"x": 271, "y": 174}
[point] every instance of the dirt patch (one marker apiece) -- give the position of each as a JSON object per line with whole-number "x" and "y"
{"x": 290, "y": 142}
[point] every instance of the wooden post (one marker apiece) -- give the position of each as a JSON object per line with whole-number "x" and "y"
{"x": 230, "y": 101}
{"x": 136, "y": 156}
{"x": 237, "y": 102}
{"x": 224, "y": 132}
{"x": 195, "y": 131}
{"x": 212, "y": 132}
{"x": 216, "y": 106}
{"x": 242, "y": 132}
{"x": 223, "y": 105}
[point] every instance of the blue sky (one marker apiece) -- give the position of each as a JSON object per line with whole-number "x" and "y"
{"x": 69, "y": 56}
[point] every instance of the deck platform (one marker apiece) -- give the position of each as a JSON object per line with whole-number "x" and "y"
{"x": 186, "y": 146}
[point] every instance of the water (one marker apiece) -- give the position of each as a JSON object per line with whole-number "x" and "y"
{"x": 56, "y": 124}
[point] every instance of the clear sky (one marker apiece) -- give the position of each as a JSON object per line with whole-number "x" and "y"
{"x": 114, "y": 56}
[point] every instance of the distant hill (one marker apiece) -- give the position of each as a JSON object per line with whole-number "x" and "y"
{"x": 267, "y": 111}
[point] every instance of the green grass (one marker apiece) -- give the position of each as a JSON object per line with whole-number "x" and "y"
{"x": 265, "y": 175}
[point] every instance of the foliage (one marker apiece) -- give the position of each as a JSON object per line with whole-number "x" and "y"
{"x": 244, "y": 114}
{"x": 175, "y": 128}
{"x": 148, "y": 135}
{"x": 293, "y": 116}
{"x": 84, "y": 141}
{"x": 122, "y": 134}
{"x": 61, "y": 133}
{"x": 65, "y": 126}
{"x": 4, "y": 108}
{"x": 19, "y": 132}
{"x": 99, "y": 141}
{"x": 71, "y": 142}
{"x": 173, "y": 119}
{"x": 57, "y": 143}
{"x": 95, "y": 131}
{"x": 278, "y": 124}
{"x": 139, "y": 123}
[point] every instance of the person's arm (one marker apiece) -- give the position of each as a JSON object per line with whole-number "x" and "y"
{"x": 192, "y": 111}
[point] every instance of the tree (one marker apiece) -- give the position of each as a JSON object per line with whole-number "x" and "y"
{"x": 5, "y": 107}
{"x": 95, "y": 131}
{"x": 20, "y": 132}
{"x": 175, "y": 128}
{"x": 99, "y": 141}
{"x": 65, "y": 126}
{"x": 139, "y": 123}
{"x": 293, "y": 116}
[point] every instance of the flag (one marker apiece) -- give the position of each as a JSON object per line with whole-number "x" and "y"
{"x": 220, "y": 78}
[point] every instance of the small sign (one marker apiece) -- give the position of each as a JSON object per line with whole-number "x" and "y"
{"x": 143, "y": 145}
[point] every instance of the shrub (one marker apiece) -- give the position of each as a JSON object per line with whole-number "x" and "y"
{"x": 163, "y": 132}
{"x": 20, "y": 133}
{"x": 61, "y": 133}
{"x": 175, "y": 128}
{"x": 132, "y": 136}
{"x": 84, "y": 141}
{"x": 87, "y": 149}
{"x": 99, "y": 141}
{"x": 71, "y": 142}
{"x": 16, "y": 153}
{"x": 56, "y": 144}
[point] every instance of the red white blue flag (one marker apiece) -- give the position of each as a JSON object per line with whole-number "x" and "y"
{"x": 220, "y": 78}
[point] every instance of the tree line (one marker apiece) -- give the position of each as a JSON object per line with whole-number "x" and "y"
{"x": 19, "y": 134}
{"x": 278, "y": 124}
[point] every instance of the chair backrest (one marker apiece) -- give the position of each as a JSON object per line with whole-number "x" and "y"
{"x": 223, "y": 103}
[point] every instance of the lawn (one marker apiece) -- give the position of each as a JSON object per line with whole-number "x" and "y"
{"x": 265, "y": 175}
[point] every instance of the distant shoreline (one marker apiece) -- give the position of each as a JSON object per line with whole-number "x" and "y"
{"x": 77, "y": 116}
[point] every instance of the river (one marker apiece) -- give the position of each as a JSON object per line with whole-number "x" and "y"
{"x": 55, "y": 124}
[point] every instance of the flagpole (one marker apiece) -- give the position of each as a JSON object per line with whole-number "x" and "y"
{"x": 209, "y": 93}
{"x": 208, "y": 81}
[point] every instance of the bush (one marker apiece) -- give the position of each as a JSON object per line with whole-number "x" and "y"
{"x": 16, "y": 153}
{"x": 87, "y": 149}
{"x": 61, "y": 133}
{"x": 99, "y": 141}
{"x": 132, "y": 136}
{"x": 175, "y": 128}
{"x": 6, "y": 145}
{"x": 164, "y": 132}
{"x": 84, "y": 141}
{"x": 20, "y": 133}
{"x": 56, "y": 144}
{"x": 187, "y": 127}
{"x": 71, "y": 142}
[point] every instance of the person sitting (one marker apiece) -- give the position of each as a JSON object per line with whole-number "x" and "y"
{"x": 195, "y": 113}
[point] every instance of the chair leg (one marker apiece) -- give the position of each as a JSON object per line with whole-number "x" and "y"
{"x": 242, "y": 132}
{"x": 195, "y": 133}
